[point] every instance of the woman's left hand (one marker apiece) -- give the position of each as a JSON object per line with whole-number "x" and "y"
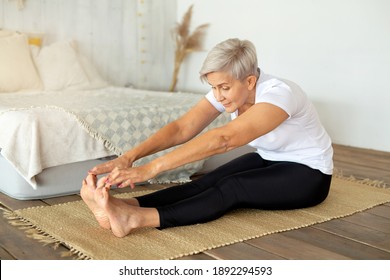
{"x": 124, "y": 177}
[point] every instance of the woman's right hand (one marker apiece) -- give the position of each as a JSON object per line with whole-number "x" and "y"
{"x": 106, "y": 167}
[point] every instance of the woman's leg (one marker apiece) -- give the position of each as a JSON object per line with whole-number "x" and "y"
{"x": 123, "y": 217}
{"x": 178, "y": 193}
{"x": 281, "y": 185}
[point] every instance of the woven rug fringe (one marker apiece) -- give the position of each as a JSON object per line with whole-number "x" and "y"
{"x": 36, "y": 233}
{"x": 77, "y": 254}
{"x": 39, "y": 235}
{"x": 369, "y": 182}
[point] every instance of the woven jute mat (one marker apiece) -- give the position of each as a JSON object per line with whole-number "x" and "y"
{"x": 73, "y": 225}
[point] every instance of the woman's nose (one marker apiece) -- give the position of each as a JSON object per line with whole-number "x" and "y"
{"x": 218, "y": 95}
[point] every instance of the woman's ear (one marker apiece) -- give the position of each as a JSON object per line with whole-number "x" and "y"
{"x": 251, "y": 81}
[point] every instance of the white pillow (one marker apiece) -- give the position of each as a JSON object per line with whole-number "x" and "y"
{"x": 59, "y": 67}
{"x": 17, "y": 71}
{"x": 6, "y": 33}
{"x": 95, "y": 80}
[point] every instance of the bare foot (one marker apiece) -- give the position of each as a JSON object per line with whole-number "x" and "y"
{"x": 122, "y": 216}
{"x": 88, "y": 195}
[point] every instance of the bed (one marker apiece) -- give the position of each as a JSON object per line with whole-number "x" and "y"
{"x": 59, "y": 118}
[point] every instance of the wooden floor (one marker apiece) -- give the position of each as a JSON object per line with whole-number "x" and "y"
{"x": 363, "y": 235}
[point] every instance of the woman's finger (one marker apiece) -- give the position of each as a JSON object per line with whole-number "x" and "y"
{"x": 101, "y": 168}
{"x": 127, "y": 177}
{"x": 127, "y": 183}
{"x": 102, "y": 182}
{"x": 132, "y": 185}
{"x": 113, "y": 176}
{"x": 108, "y": 166}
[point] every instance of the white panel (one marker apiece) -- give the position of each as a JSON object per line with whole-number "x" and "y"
{"x": 31, "y": 19}
{"x": 51, "y": 20}
{"x": 115, "y": 39}
{"x": 11, "y": 16}
{"x": 338, "y": 51}
{"x": 129, "y": 43}
{"x": 1, "y": 14}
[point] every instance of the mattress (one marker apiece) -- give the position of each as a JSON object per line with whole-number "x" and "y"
{"x": 50, "y": 139}
{"x": 51, "y": 182}
{"x": 66, "y": 179}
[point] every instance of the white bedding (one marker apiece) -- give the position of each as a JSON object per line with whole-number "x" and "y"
{"x": 46, "y": 129}
{"x": 70, "y": 118}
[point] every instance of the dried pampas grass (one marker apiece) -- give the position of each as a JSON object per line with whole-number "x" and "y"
{"x": 186, "y": 42}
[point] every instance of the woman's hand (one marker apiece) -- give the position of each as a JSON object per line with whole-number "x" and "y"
{"x": 124, "y": 177}
{"x": 106, "y": 167}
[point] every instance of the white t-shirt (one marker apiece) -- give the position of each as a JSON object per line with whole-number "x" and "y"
{"x": 301, "y": 138}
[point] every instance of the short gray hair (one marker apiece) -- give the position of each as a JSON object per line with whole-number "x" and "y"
{"x": 234, "y": 56}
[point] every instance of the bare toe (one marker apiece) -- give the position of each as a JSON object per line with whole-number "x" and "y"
{"x": 88, "y": 193}
{"x": 91, "y": 181}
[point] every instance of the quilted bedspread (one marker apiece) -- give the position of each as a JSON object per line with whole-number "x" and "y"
{"x": 45, "y": 129}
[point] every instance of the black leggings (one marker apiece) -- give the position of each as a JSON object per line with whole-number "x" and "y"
{"x": 245, "y": 182}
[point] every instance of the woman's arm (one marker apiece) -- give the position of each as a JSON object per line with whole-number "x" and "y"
{"x": 260, "y": 119}
{"x": 174, "y": 133}
{"x": 178, "y": 131}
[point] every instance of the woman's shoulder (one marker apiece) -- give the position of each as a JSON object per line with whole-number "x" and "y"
{"x": 273, "y": 83}
{"x": 281, "y": 92}
{"x": 269, "y": 82}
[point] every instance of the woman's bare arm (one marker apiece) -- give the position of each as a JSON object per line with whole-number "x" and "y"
{"x": 260, "y": 119}
{"x": 178, "y": 131}
{"x": 174, "y": 133}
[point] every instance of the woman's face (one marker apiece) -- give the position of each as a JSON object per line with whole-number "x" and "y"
{"x": 232, "y": 93}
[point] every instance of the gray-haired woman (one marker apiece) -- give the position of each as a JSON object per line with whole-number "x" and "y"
{"x": 291, "y": 168}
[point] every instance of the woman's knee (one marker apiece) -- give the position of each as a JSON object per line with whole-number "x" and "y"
{"x": 322, "y": 190}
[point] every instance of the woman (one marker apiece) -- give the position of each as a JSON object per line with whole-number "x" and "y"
{"x": 291, "y": 169}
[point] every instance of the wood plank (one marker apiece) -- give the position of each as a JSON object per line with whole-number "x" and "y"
{"x": 369, "y": 220}
{"x": 290, "y": 247}
{"x": 382, "y": 211}
{"x": 19, "y": 246}
{"x": 4, "y": 255}
{"x": 349, "y": 153}
{"x": 362, "y": 163}
{"x": 339, "y": 245}
{"x": 241, "y": 251}
{"x": 200, "y": 256}
{"x": 14, "y": 204}
{"x": 363, "y": 172}
{"x": 62, "y": 199}
{"x": 357, "y": 233}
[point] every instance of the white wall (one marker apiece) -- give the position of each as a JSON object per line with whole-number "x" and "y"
{"x": 126, "y": 39}
{"x": 338, "y": 51}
